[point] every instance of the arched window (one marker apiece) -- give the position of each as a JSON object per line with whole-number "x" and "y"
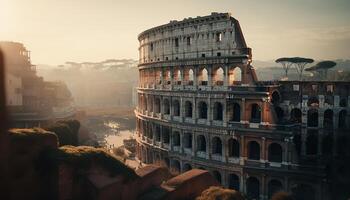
{"x": 328, "y": 119}
{"x": 217, "y": 145}
{"x": 188, "y": 109}
{"x": 176, "y": 108}
{"x": 343, "y": 103}
{"x": 295, "y": 115}
{"x": 157, "y": 105}
{"x": 279, "y": 114}
{"x": 342, "y": 119}
{"x": 175, "y": 167}
{"x": 275, "y": 153}
{"x": 203, "y": 77}
{"x": 235, "y": 75}
{"x": 176, "y": 138}
{"x": 201, "y": 143}
{"x": 186, "y": 167}
{"x": 219, "y": 76}
{"x": 167, "y": 77}
{"x": 166, "y": 135}
{"x": 273, "y": 187}
{"x": 255, "y": 115}
{"x": 177, "y": 76}
{"x": 303, "y": 191}
{"x": 253, "y": 150}
{"x": 217, "y": 176}
{"x": 187, "y": 140}
{"x": 150, "y": 104}
{"x": 312, "y": 142}
{"x": 233, "y": 182}
{"x": 157, "y": 133}
{"x": 145, "y": 102}
{"x": 253, "y": 188}
{"x": 202, "y": 109}
{"x": 313, "y": 101}
{"x": 190, "y": 77}
{"x": 218, "y": 111}
{"x": 234, "y": 112}
{"x": 275, "y": 98}
{"x": 233, "y": 148}
{"x": 159, "y": 77}
{"x": 312, "y": 118}
{"x": 166, "y": 107}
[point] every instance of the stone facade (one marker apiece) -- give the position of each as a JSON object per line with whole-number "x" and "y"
{"x": 200, "y": 105}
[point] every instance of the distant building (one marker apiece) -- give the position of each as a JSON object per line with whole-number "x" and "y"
{"x": 13, "y": 90}
{"x": 200, "y": 105}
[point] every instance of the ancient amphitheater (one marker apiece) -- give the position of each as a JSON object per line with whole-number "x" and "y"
{"x": 200, "y": 105}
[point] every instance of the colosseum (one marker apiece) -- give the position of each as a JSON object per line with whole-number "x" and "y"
{"x": 200, "y": 105}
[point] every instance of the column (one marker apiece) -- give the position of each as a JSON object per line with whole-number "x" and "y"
{"x": 223, "y": 150}
{"x": 226, "y": 76}
{"x": 208, "y": 149}
{"x": 263, "y": 150}
{"x": 209, "y": 111}
{"x": 243, "y": 155}
{"x": 181, "y": 141}
{"x": 182, "y": 75}
{"x": 224, "y": 114}
{"x": 243, "y": 112}
{"x": 210, "y": 75}
{"x": 195, "y": 74}
{"x": 193, "y": 144}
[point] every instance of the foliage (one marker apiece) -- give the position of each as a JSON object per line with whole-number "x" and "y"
{"x": 322, "y": 68}
{"x": 28, "y": 134}
{"x": 219, "y": 193}
{"x": 66, "y": 131}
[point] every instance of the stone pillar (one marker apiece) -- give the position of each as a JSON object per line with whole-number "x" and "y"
{"x": 210, "y": 75}
{"x": 195, "y": 76}
{"x": 181, "y": 108}
{"x": 182, "y": 75}
{"x": 193, "y": 144}
{"x": 226, "y": 76}
{"x": 208, "y": 146}
{"x": 223, "y": 150}
{"x": 320, "y": 118}
{"x": 171, "y": 140}
{"x": 209, "y": 111}
{"x": 194, "y": 109}
{"x": 243, "y": 111}
{"x": 242, "y": 187}
{"x": 303, "y": 141}
{"x": 263, "y": 150}
{"x": 181, "y": 141}
{"x": 242, "y": 150}
{"x": 319, "y": 142}
{"x": 263, "y": 186}
{"x": 161, "y": 136}
{"x": 224, "y": 114}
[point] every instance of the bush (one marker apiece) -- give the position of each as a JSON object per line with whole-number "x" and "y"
{"x": 66, "y": 131}
{"x": 219, "y": 193}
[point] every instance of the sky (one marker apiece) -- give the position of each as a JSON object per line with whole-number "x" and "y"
{"x": 56, "y": 31}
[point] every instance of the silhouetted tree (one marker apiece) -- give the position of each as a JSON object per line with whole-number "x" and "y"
{"x": 322, "y": 68}
{"x": 286, "y": 64}
{"x": 300, "y": 64}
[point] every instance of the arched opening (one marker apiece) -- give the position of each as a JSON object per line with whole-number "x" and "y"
{"x": 150, "y": 104}
{"x": 275, "y": 98}
{"x": 167, "y": 77}
{"x": 275, "y": 153}
{"x": 177, "y": 76}
{"x": 297, "y": 142}
{"x": 312, "y": 142}
{"x": 328, "y": 119}
{"x": 176, "y": 108}
{"x": 176, "y": 138}
{"x": 166, "y": 107}
{"x": 233, "y": 182}
{"x": 202, "y": 110}
{"x": 203, "y": 77}
{"x": 159, "y": 77}
{"x": 233, "y": 148}
{"x": 234, "y": 112}
{"x": 201, "y": 143}
{"x": 327, "y": 144}
{"x": 157, "y": 133}
{"x": 190, "y": 77}
{"x": 187, "y": 140}
{"x": 342, "y": 119}
{"x": 343, "y": 103}
{"x": 255, "y": 115}
{"x": 219, "y": 77}
{"x": 166, "y": 135}
{"x": 303, "y": 192}
{"x": 157, "y": 105}
{"x": 253, "y": 188}
{"x": 295, "y": 115}
{"x": 313, "y": 101}
{"x": 217, "y": 146}
{"x": 273, "y": 187}
{"x": 279, "y": 114}
{"x": 186, "y": 167}
{"x": 312, "y": 118}
{"x": 145, "y": 103}
{"x": 235, "y": 76}
{"x": 175, "y": 167}
{"x": 217, "y": 176}
{"x": 253, "y": 150}
{"x": 188, "y": 109}
{"x": 218, "y": 111}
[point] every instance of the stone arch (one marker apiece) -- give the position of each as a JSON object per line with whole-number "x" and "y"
{"x": 312, "y": 118}
{"x": 275, "y": 97}
{"x": 203, "y": 76}
{"x": 253, "y": 188}
{"x": 233, "y": 182}
{"x": 313, "y": 101}
{"x": 328, "y": 119}
{"x": 219, "y": 76}
{"x": 279, "y": 114}
{"x": 233, "y": 148}
{"x": 342, "y": 119}
{"x": 177, "y": 76}
{"x": 157, "y": 134}
{"x": 176, "y": 138}
{"x": 150, "y": 104}
{"x": 235, "y": 76}
{"x": 166, "y": 135}
{"x": 175, "y": 167}
{"x": 187, "y": 140}
{"x": 217, "y": 175}
{"x": 201, "y": 143}
{"x": 145, "y": 103}
{"x": 274, "y": 186}
{"x": 218, "y": 111}
{"x": 295, "y": 115}
{"x": 188, "y": 76}
{"x": 303, "y": 192}
{"x": 312, "y": 142}
{"x": 186, "y": 167}
{"x": 275, "y": 152}
{"x": 234, "y": 112}
{"x": 343, "y": 103}
{"x": 176, "y": 107}
{"x": 255, "y": 114}
{"x": 157, "y": 105}
{"x": 167, "y": 76}
{"x": 217, "y": 145}
{"x": 253, "y": 150}
{"x": 166, "y": 106}
{"x": 202, "y": 110}
{"x": 188, "y": 109}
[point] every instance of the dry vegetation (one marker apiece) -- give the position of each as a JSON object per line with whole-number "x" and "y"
{"x": 219, "y": 193}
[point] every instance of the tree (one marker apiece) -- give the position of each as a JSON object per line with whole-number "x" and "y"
{"x": 300, "y": 64}
{"x": 286, "y": 64}
{"x": 322, "y": 68}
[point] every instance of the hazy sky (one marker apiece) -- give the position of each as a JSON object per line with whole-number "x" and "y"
{"x": 56, "y": 31}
